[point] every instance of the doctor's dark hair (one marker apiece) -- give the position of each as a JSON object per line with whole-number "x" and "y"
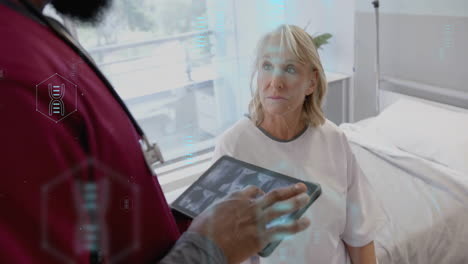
{"x": 301, "y": 44}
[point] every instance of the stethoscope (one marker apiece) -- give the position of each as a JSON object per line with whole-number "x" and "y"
{"x": 151, "y": 152}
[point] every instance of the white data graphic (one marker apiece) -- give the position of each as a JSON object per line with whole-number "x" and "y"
{"x": 56, "y": 94}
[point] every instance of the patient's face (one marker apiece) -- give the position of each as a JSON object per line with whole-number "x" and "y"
{"x": 283, "y": 81}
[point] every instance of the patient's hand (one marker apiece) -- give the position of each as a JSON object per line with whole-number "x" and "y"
{"x": 237, "y": 224}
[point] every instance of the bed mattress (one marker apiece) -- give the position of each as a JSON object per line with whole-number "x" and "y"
{"x": 424, "y": 204}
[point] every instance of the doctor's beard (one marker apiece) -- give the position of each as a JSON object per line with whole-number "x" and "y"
{"x": 86, "y": 11}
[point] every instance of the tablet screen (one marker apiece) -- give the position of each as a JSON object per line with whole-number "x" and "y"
{"x": 227, "y": 175}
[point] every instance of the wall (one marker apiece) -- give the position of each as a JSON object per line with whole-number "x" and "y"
{"x": 421, "y": 40}
{"x": 328, "y": 16}
{"x": 255, "y": 18}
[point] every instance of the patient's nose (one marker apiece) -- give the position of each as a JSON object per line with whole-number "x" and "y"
{"x": 277, "y": 81}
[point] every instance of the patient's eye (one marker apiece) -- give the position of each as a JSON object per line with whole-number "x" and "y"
{"x": 267, "y": 66}
{"x": 291, "y": 69}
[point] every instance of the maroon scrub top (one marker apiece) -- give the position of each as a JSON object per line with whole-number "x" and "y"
{"x": 73, "y": 176}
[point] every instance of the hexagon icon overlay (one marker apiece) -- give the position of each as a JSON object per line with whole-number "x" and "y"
{"x": 91, "y": 201}
{"x": 56, "y": 97}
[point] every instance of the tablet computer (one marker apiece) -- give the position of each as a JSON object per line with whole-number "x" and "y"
{"x": 228, "y": 175}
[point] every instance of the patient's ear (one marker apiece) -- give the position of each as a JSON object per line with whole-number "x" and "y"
{"x": 312, "y": 85}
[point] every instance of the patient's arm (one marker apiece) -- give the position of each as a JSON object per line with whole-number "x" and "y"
{"x": 362, "y": 255}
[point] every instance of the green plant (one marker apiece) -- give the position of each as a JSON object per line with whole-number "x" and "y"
{"x": 321, "y": 40}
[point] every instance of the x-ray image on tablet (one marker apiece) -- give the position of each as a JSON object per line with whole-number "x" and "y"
{"x": 198, "y": 199}
{"x": 247, "y": 177}
{"x": 229, "y": 175}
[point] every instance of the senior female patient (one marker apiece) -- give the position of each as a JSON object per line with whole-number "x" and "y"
{"x": 286, "y": 132}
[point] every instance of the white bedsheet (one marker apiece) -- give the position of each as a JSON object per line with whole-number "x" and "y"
{"x": 425, "y": 204}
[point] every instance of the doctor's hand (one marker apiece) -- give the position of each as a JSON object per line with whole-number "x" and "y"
{"x": 238, "y": 224}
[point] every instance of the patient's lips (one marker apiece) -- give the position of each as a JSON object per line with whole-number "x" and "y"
{"x": 276, "y": 97}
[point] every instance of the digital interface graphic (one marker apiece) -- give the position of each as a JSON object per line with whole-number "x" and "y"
{"x": 75, "y": 68}
{"x": 126, "y": 204}
{"x": 447, "y": 41}
{"x": 91, "y": 199}
{"x": 88, "y": 228}
{"x": 56, "y": 97}
{"x": 56, "y": 94}
{"x": 190, "y": 147}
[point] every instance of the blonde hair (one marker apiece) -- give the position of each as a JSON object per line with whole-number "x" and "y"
{"x": 301, "y": 44}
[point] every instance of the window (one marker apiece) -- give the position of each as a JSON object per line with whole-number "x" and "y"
{"x": 165, "y": 59}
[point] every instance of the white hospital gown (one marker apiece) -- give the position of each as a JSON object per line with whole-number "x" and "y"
{"x": 346, "y": 210}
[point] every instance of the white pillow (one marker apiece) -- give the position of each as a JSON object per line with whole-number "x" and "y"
{"x": 431, "y": 132}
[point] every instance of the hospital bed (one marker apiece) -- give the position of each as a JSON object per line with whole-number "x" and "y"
{"x": 414, "y": 154}
{"x": 424, "y": 200}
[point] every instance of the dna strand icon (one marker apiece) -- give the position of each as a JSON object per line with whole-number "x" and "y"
{"x": 56, "y": 93}
{"x": 90, "y": 231}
